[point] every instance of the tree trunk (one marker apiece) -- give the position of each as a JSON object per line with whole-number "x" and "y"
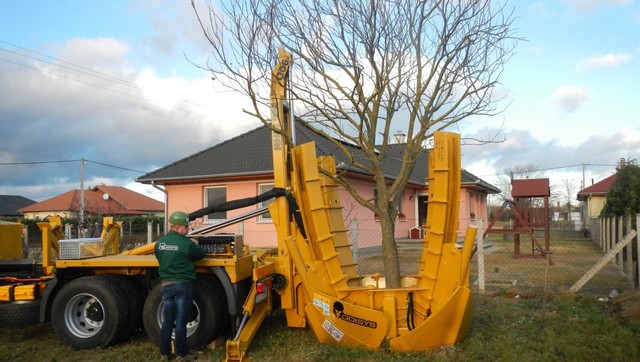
{"x": 390, "y": 251}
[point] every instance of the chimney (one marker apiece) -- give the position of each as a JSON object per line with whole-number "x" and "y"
{"x": 621, "y": 164}
{"x": 399, "y": 137}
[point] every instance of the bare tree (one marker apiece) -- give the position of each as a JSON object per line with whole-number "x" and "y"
{"x": 566, "y": 194}
{"x": 519, "y": 171}
{"x": 364, "y": 69}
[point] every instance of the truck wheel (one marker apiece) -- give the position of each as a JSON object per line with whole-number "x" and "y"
{"x": 205, "y": 316}
{"x": 19, "y": 314}
{"x": 220, "y": 300}
{"x": 134, "y": 300}
{"x": 90, "y": 312}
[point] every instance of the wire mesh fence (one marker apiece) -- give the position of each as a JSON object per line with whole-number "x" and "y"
{"x": 496, "y": 267}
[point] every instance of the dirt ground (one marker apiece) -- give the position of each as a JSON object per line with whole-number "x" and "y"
{"x": 628, "y": 305}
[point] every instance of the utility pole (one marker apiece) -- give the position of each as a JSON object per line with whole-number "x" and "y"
{"x": 81, "y": 195}
{"x": 583, "y": 209}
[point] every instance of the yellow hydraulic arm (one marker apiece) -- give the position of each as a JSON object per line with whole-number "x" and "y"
{"x": 322, "y": 289}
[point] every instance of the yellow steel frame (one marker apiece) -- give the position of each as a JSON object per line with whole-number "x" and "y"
{"x": 322, "y": 287}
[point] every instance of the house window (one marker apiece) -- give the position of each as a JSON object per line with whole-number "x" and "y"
{"x": 375, "y": 203}
{"x": 401, "y": 215}
{"x": 262, "y": 188}
{"x": 215, "y": 195}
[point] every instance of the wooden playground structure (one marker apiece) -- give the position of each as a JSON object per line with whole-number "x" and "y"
{"x": 530, "y": 208}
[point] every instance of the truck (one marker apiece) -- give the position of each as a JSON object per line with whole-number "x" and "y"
{"x": 95, "y": 295}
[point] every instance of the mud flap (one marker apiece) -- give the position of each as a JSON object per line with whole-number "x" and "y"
{"x": 446, "y": 326}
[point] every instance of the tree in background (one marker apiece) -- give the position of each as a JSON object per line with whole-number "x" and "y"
{"x": 623, "y": 198}
{"x": 362, "y": 70}
{"x": 565, "y": 195}
{"x": 519, "y": 171}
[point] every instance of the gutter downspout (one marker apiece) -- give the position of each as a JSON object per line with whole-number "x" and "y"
{"x": 166, "y": 199}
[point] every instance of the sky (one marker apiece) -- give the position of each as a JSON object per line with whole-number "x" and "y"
{"x": 116, "y": 84}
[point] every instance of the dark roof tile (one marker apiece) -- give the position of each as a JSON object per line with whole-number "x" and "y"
{"x": 10, "y": 204}
{"x": 250, "y": 154}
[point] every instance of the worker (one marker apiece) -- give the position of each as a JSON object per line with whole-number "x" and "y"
{"x": 176, "y": 253}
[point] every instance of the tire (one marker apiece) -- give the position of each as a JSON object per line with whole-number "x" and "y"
{"x": 134, "y": 301}
{"x": 222, "y": 311}
{"x": 206, "y": 317}
{"x": 90, "y": 312}
{"x": 19, "y": 314}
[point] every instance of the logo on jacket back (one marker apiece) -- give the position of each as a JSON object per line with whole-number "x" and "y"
{"x": 164, "y": 246}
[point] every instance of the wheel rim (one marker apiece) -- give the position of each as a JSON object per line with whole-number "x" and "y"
{"x": 84, "y": 315}
{"x": 192, "y": 324}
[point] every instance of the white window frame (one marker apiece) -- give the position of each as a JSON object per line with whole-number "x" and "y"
{"x": 215, "y": 220}
{"x": 262, "y": 188}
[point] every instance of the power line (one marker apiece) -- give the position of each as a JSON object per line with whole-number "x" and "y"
{"x": 67, "y": 161}
{"x": 35, "y": 162}
{"x": 86, "y": 71}
{"x": 555, "y": 168}
{"x": 75, "y": 80}
{"x": 113, "y": 166}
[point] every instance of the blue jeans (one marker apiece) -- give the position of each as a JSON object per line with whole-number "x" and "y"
{"x": 177, "y": 310}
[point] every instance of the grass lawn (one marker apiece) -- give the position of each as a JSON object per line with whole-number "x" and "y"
{"x": 511, "y": 321}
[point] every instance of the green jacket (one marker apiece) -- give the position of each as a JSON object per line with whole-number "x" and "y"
{"x": 176, "y": 254}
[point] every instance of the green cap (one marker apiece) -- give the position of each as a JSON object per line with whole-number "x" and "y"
{"x": 179, "y": 218}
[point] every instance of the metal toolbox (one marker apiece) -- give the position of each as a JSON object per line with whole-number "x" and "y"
{"x": 80, "y": 248}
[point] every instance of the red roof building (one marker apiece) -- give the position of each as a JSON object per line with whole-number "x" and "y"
{"x": 595, "y": 196}
{"x": 99, "y": 201}
{"x": 598, "y": 188}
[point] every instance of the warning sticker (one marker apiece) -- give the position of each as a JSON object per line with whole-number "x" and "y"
{"x": 322, "y": 303}
{"x": 332, "y": 330}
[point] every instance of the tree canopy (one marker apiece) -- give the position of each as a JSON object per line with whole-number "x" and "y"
{"x": 363, "y": 70}
{"x": 623, "y": 198}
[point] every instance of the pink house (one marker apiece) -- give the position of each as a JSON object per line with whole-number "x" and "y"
{"x": 242, "y": 167}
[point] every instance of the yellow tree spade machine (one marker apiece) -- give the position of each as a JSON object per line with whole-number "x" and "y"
{"x": 96, "y": 296}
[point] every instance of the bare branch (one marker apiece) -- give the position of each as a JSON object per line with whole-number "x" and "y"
{"x": 363, "y": 69}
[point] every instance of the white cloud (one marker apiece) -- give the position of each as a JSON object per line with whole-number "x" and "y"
{"x": 604, "y": 61}
{"x": 93, "y": 103}
{"x": 166, "y": 93}
{"x": 99, "y": 53}
{"x": 598, "y": 154}
{"x": 146, "y": 190}
{"x": 569, "y": 98}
